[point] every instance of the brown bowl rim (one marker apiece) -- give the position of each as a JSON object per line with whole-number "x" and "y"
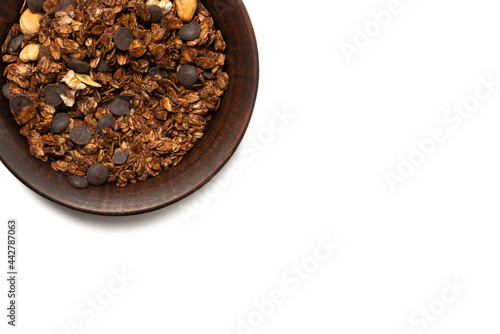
{"x": 46, "y": 193}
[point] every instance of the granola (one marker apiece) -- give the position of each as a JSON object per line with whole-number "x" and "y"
{"x": 113, "y": 91}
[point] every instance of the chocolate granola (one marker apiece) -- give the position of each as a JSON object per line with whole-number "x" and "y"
{"x": 113, "y": 91}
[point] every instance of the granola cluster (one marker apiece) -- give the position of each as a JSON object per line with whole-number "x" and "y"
{"x": 113, "y": 90}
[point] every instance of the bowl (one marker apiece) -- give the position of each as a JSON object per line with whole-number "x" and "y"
{"x": 203, "y": 161}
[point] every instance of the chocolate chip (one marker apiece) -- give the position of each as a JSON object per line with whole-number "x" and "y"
{"x": 35, "y": 5}
{"x": 79, "y": 66}
{"x": 187, "y": 75}
{"x": 65, "y": 4}
{"x": 79, "y": 182}
{"x": 119, "y": 106}
{"x": 63, "y": 89}
{"x": 153, "y": 71}
{"x": 208, "y": 75}
{"x": 18, "y": 102}
{"x": 103, "y": 66}
{"x": 156, "y": 13}
{"x": 97, "y": 174}
{"x": 123, "y": 38}
{"x": 120, "y": 158}
{"x": 106, "y": 121}
{"x": 60, "y": 122}
{"x": 6, "y": 91}
{"x": 15, "y": 44}
{"x": 52, "y": 97}
{"x": 80, "y": 135}
{"x": 190, "y": 31}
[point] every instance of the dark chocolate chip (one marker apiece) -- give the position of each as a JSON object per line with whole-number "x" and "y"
{"x": 190, "y": 31}
{"x": 208, "y": 75}
{"x": 80, "y": 135}
{"x": 120, "y": 158}
{"x": 106, "y": 121}
{"x": 18, "y": 102}
{"x": 15, "y": 44}
{"x": 65, "y": 4}
{"x": 63, "y": 89}
{"x": 79, "y": 182}
{"x": 35, "y": 5}
{"x": 123, "y": 38}
{"x": 103, "y": 66}
{"x": 119, "y": 106}
{"x": 153, "y": 71}
{"x": 6, "y": 91}
{"x": 97, "y": 174}
{"x": 79, "y": 66}
{"x": 156, "y": 13}
{"x": 60, "y": 122}
{"x": 52, "y": 97}
{"x": 187, "y": 75}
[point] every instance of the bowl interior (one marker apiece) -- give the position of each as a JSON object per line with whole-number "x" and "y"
{"x": 205, "y": 159}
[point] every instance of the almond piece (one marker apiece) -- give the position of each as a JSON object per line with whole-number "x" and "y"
{"x": 186, "y": 9}
{"x": 30, "y": 22}
{"x": 30, "y": 53}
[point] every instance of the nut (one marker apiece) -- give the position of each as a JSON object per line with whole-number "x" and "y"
{"x": 68, "y": 98}
{"x": 69, "y": 93}
{"x": 73, "y": 82}
{"x": 30, "y": 22}
{"x": 30, "y": 53}
{"x": 165, "y": 5}
{"x": 186, "y": 9}
{"x": 87, "y": 80}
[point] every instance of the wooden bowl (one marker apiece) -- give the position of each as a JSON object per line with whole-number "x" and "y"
{"x": 207, "y": 157}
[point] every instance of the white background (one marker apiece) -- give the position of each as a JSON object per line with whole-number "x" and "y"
{"x": 199, "y": 265}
